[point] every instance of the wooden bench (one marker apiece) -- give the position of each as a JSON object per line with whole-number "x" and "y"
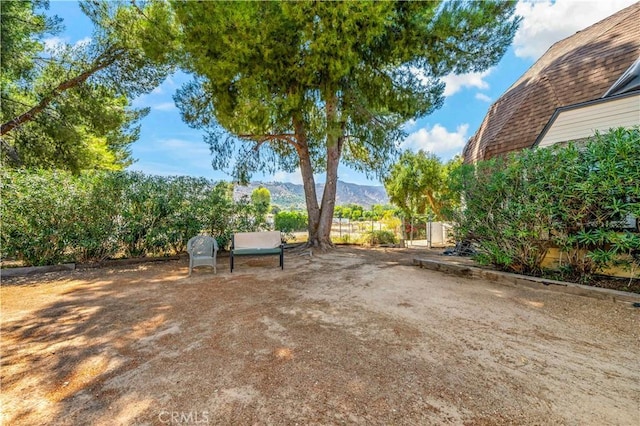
{"x": 256, "y": 244}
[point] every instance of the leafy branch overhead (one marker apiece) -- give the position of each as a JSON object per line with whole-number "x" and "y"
{"x": 67, "y": 105}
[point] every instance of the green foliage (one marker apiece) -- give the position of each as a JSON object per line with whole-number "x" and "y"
{"x": 391, "y": 221}
{"x": 289, "y": 222}
{"x": 419, "y": 183}
{"x": 94, "y": 230}
{"x": 379, "y": 237}
{"x": 602, "y": 190}
{"x": 261, "y": 200}
{"x": 67, "y": 106}
{"x": 356, "y": 212}
{"x": 30, "y": 245}
{"x": 500, "y": 215}
{"x": 21, "y": 32}
{"x": 97, "y": 130}
{"x": 54, "y": 216}
{"x": 575, "y": 197}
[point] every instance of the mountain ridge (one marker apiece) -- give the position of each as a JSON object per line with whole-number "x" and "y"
{"x": 287, "y": 195}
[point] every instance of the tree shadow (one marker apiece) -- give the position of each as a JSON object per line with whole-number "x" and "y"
{"x": 64, "y": 352}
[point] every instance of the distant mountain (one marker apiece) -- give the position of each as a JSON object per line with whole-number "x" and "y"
{"x": 290, "y": 195}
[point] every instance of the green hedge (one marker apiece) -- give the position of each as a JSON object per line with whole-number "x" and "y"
{"x": 289, "y": 222}
{"x": 576, "y": 197}
{"x": 50, "y": 217}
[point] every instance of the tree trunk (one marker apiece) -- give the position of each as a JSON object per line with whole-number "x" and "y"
{"x": 321, "y": 219}
{"x": 323, "y": 237}
{"x": 334, "y": 141}
{"x": 308, "y": 181}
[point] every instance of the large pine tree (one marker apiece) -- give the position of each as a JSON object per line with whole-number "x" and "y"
{"x": 286, "y": 85}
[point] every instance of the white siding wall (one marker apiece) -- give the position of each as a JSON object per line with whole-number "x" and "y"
{"x": 583, "y": 122}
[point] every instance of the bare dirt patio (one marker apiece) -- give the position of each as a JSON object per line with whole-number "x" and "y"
{"x": 354, "y": 336}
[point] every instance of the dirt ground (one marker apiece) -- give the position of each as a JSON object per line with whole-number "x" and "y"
{"x": 354, "y": 336}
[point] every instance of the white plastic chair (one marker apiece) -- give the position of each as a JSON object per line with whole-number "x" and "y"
{"x": 202, "y": 251}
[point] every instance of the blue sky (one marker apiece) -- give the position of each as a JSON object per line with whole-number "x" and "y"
{"x": 167, "y": 146}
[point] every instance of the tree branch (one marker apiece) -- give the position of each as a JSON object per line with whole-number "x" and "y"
{"x": 290, "y": 138}
{"x": 51, "y": 113}
{"x": 101, "y": 63}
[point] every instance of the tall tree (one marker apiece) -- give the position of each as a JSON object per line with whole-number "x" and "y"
{"x": 261, "y": 200}
{"x": 419, "y": 183}
{"x": 67, "y": 106}
{"x": 286, "y": 85}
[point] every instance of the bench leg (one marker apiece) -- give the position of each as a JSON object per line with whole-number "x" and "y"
{"x": 281, "y": 259}
{"x": 231, "y": 261}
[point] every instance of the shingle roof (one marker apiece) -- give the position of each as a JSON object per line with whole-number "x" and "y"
{"x": 579, "y": 68}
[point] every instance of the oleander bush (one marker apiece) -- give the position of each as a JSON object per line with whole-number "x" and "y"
{"x": 50, "y": 217}
{"x": 581, "y": 198}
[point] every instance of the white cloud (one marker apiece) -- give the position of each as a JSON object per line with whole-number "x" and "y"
{"x": 154, "y": 101}
{"x": 83, "y": 42}
{"x": 546, "y": 22}
{"x": 166, "y": 86}
{"x": 169, "y": 82}
{"x": 295, "y": 177}
{"x": 409, "y": 125}
{"x": 437, "y": 140}
{"x": 185, "y": 148}
{"x": 483, "y": 97}
{"x": 165, "y": 106}
{"x": 455, "y": 83}
{"x": 54, "y": 43}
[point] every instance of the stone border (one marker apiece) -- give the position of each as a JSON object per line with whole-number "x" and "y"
{"x": 33, "y": 270}
{"x": 524, "y": 280}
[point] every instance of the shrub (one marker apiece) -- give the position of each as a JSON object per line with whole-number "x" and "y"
{"x": 96, "y": 224}
{"x": 343, "y": 239}
{"x": 498, "y": 215}
{"x": 574, "y": 197}
{"x": 52, "y": 216}
{"x": 373, "y": 238}
{"x": 37, "y": 223}
{"x": 600, "y": 189}
{"x": 288, "y": 222}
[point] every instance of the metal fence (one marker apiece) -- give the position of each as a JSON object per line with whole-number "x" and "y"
{"x": 432, "y": 234}
{"x": 420, "y": 233}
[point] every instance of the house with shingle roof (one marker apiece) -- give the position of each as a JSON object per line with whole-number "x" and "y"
{"x": 585, "y": 83}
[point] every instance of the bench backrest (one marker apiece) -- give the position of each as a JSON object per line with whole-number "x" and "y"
{"x": 267, "y": 239}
